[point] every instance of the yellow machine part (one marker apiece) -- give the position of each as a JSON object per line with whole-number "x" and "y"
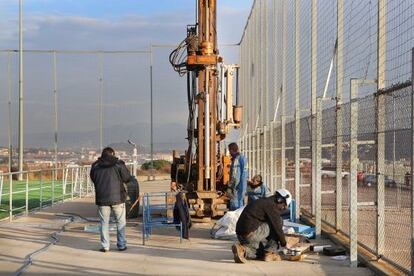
{"x": 226, "y": 169}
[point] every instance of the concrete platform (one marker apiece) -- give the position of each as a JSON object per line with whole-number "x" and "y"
{"x": 76, "y": 252}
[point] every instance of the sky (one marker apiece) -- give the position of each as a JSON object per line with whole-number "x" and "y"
{"x": 135, "y": 21}
{"x": 103, "y": 25}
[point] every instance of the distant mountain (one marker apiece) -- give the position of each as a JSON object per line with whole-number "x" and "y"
{"x": 166, "y": 137}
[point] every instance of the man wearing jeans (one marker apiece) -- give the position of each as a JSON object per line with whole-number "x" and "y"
{"x": 108, "y": 174}
{"x": 260, "y": 228}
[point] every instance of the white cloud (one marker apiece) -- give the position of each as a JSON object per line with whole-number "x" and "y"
{"x": 130, "y": 32}
{"x": 70, "y": 32}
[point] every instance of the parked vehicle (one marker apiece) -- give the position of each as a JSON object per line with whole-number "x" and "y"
{"x": 331, "y": 173}
{"x": 371, "y": 179}
{"x": 360, "y": 177}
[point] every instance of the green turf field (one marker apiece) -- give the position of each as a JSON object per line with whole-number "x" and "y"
{"x": 40, "y": 194}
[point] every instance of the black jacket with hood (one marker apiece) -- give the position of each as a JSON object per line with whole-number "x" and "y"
{"x": 262, "y": 210}
{"x": 108, "y": 174}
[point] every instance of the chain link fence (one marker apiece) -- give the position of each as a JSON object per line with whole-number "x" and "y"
{"x": 84, "y": 100}
{"x": 327, "y": 96}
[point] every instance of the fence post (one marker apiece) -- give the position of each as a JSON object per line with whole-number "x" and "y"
{"x": 297, "y": 110}
{"x": 381, "y": 128}
{"x": 2, "y": 184}
{"x": 41, "y": 190}
{"x": 266, "y": 62}
{"x": 63, "y": 183}
{"x": 412, "y": 161}
{"x": 275, "y": 95}
{"x": 339, "y": 118}
{"x": 10, "y": 198}
{"x": 71, "y": 184}
{"x": 88, "y": 181}
{"x": 27, "y": 194}
{"x": 53, "y": 187}
{"x": 283, "y": 96}
{"x": 79, "y": 172}
{"x": 318, "y": 176}
{"x": 353, "y": 189}
{"x": 253, "y": 152}
{"x": 272, "y": 158}
{"x": 261, "y": 74}
{"x": 314, "y": 68}
{"x": 258, "y": 167}
{"x": 265, "y": 148}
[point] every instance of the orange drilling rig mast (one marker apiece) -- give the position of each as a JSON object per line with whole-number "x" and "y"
{"x": 203, "y": 170}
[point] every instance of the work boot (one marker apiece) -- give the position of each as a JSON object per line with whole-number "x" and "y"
{"x": 271, "y": 256}
{"x": 239, "y": 253}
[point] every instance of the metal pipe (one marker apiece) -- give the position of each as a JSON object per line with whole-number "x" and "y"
{"x": 222, "y": 101}
{"x": 207, "y": 126}
{"x": 207, "y": 22}
{"x": 237, "y": 86}
{"x": 21, "y": 102}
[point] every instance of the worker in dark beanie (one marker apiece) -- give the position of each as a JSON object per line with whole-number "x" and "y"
{"x": 260, "y": 228}
{"x": 109, "y": 174}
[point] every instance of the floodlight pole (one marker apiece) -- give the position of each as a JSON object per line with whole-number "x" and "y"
{"x": 152, "y": 112}
{"x": 21, "y": 106}
{"x": 9, "y": 104}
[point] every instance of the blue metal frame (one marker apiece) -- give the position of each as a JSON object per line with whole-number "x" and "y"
{"x": 149, "y": 222}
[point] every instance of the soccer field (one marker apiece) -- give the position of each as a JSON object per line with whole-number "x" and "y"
{"x": 37, "y": 194}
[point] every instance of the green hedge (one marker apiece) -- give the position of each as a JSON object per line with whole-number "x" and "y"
{"x": 157, "y": 165}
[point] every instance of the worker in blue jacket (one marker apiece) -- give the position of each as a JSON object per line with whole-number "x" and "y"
{"x": 238, "y": 178}
{"x": 257, "y": 189}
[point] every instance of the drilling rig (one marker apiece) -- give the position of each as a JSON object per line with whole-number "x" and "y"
{"x": 203, "y": 171}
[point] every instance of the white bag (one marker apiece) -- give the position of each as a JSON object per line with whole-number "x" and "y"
{"x": 225, "y": 228}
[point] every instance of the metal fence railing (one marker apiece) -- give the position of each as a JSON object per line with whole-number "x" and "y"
{"x": 42, "y": 188}
{"x": 327, "y": 93}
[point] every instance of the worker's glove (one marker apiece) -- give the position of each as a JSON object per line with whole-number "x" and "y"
{"x": 229, "y": 192}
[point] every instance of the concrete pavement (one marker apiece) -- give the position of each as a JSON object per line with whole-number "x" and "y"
{"x": 76, "y": 252}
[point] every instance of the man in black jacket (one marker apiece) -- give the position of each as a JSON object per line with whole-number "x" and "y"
{"x": 108, "y": 174}
{"x": 260, "y": 228}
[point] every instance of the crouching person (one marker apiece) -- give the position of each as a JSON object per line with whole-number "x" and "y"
{"x": 260, "y": 228}
{"x": 108, "y": 174}
{"x": 257, "y": 189}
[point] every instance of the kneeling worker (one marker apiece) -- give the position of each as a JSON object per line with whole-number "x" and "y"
{"x": 260, "y": 228}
